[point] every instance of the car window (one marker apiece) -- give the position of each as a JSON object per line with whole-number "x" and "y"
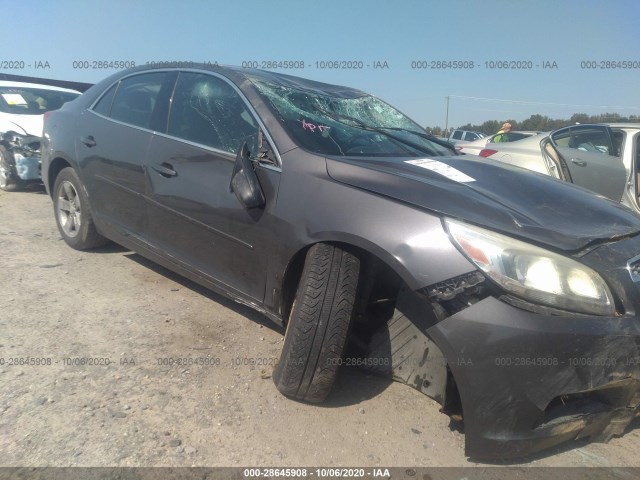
{"x": 207, "y": 110}
{"x": 562, "y": 138}
{"x": 103, "y": 106}
{"x": 32, "y": 101}
{"x": 593, "y": 140}
{"x": 457, "y": 135}
{"x": 618, "y": 141}
{"x": 470, "y": 137}
{"x": 136, "y": 98}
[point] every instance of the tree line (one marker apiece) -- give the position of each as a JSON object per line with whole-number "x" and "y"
{"x": 538, "y": 122}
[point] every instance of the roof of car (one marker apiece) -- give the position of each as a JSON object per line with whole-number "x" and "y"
{"x": 5, "y": 83}
{"x": 237, "y": 74}
{"x": 623, "y": 125}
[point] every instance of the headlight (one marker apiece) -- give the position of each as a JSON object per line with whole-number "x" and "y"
{"x": 533, "y": 273}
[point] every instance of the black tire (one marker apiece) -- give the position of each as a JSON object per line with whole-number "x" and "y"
{"x": 9, "y": 182}
{"x": 73, "y": 214}
{"x": 319, "y": 324}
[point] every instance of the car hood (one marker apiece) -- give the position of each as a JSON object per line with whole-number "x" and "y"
{"x": 494, "y": 195}
{"x": 25, "y": 124}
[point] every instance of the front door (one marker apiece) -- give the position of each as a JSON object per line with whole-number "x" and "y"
{"x": 195, "y": 218}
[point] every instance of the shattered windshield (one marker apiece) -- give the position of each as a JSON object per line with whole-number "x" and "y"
{"x": 347, "y": 126}
{"x": 32, "y": 101}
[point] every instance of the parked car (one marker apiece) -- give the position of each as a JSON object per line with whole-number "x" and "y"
{"x": 463, "y": 136}
{"x": 22, "y": 107}
{"x": 588, "y": 155}
{"x": 508, "y": 297}
{"x": 477, "y": 145}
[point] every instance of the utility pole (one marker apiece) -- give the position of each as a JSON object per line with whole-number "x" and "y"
{"x": 446, "y": 122}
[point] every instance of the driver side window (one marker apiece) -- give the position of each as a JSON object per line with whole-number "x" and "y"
{"x": 208, "y": 111}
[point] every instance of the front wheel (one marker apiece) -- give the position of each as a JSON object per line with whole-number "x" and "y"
{"x": 8, "y": 180}
{"x": 73, "y": 215}
{"x": 319, "y": 324}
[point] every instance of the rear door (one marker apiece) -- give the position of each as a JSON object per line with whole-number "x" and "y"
{"x": 591, "y": 159}
{"x": 113, "y": 140}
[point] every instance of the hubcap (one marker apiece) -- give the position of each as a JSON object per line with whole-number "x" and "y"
{"x": 69, "y": 212}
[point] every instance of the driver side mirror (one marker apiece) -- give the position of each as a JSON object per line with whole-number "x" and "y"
{"x": 244, "y": 181}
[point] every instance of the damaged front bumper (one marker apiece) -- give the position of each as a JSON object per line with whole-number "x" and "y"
{"x": 530, "y": 378}
{"x": 522, "y": 376}
{"x": 24, "y": 161}
{"x": 529, "y": 381}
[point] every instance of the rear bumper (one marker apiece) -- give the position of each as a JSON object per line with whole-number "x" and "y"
{"x": 529, "y": 381}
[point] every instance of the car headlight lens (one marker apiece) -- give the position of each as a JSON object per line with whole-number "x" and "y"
{"x": 533, "y": 273}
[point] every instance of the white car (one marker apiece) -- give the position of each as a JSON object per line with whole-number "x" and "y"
{"x": 476, "y": 146}
{"x": 22, "y": 108}
{"x": 604, "y": 158}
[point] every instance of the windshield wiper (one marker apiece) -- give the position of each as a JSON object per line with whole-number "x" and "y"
{"x": 427, "y": 136}
{"x": 381, "y": 130}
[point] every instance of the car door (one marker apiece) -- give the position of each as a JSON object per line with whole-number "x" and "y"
{"x": 591, "y": 159}
{"x": 195, "y": 218}
{"x": 113, "y": 140}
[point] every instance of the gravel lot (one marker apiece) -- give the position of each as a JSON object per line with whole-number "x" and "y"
{"x": 59, "y": 306}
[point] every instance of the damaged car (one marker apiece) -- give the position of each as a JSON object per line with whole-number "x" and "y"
{"x": 508, "y": 297}
{"x": 22, "y": 107}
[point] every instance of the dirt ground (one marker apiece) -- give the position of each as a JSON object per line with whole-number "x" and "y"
{"x": 59, "y": 306}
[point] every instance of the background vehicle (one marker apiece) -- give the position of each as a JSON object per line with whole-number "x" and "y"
{"x": 476, "y": 146}
{"x": 22, "y": 107}
{"x": 337, "y": 217}
{"x": 599, "y": 157}
{"x": 459, "y": 136}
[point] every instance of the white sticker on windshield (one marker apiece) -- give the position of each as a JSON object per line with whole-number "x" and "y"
{"x": 441, "y": 168}
{"x": 14, "y": 99}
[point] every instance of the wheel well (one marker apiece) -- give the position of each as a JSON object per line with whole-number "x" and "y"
{"x": 56, "y": 166}
{"x": 377, "y": 278}
{"x": 379, "y": 288}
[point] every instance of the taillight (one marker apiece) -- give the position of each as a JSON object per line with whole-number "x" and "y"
{"x": 487, "y": 152}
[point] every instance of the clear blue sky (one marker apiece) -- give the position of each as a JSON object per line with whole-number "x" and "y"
{"x": 398, "y": 32}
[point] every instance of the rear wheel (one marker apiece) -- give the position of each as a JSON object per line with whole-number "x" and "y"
{"x": 319, "y": 324}
{"x": 73, "y": 214}
{"x": 8, "y": 180}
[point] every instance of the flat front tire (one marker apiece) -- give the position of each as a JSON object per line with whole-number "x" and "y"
{"x": 73, "y": 214}
{"x": 319, "y": 324}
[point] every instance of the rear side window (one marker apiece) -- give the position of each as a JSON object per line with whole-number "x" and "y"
{"x": 470, "y": 136}
{"x": 207, "y": 110}
{"x": 103, "y": 107}
{"x": 136, "y": 97}
{"x": 457, "y": 135}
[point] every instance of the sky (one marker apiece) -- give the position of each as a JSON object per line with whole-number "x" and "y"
{"x": 65, "y": 37}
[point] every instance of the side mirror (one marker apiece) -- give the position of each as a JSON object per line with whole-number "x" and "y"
{"x": 244, "y": 181}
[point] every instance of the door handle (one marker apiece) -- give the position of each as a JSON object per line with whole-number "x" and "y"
{"x": 88, "y": 141}
{"x": 164, "y": 169}
{"x": 578, "y": 162}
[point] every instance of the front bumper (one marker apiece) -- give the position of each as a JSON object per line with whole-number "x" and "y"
{"x": 530, "y": 379}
